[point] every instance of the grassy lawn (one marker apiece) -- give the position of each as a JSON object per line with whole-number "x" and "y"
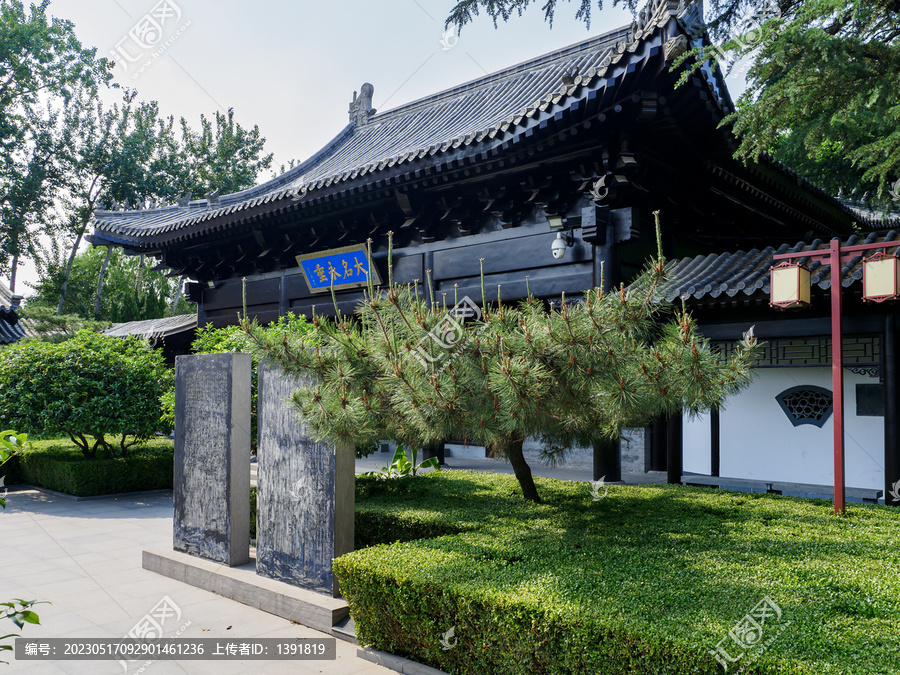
{"x": 644, "y": 580}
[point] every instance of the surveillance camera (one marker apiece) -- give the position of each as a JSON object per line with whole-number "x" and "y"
{"x": 558, "y": 247}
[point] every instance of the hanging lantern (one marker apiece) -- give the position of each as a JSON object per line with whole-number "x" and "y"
{"x": 881, "y": 277}
{"x": 790, "y": 286}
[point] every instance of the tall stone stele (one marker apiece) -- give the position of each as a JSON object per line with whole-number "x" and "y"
{"x": 305, "y": 494}
{"x": 212, "y": 457}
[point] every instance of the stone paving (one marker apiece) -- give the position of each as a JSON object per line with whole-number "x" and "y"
{"x": 85, "y": 558}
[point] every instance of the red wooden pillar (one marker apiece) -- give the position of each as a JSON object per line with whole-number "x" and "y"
{"x": 837, "y": 374}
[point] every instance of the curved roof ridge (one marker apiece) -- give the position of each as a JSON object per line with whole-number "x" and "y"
{"x": 747, "y": 271}
{"x": 544, "y": 60}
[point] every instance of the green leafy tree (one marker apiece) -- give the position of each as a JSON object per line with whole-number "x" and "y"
{"x": 128, "y": 155}
{"x": 228, "y": 158}
{"x": 822, "y": 89}
{"x": 823, "y": 95}
{"x": 41, "y": 63}
{"x": 130, "y": 290}
{"x": 589, "y": 368}
{"x": 89, "y": 386}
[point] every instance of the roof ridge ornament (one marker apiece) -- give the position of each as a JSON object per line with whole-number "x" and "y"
{"x": 212, "y": 197}
{"x": 675, "y": 47}
{"x": 185, "y": 199}
{"x": 361, "y": 106}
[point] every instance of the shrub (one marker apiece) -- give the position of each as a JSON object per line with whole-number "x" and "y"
{"x": 376, "y": 526}
{"x": 89, "y": 386}
{"x": 648, "y": 579}
{"x": 60, "y": 466}
{"x": 231, "y": 339}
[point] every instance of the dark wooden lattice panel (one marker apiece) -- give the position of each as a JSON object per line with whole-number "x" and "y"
{"x": 806, "y": 404}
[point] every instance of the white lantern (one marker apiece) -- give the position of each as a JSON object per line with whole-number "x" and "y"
{"x": 881, "y": 277}
{"x": 790, "y": 286}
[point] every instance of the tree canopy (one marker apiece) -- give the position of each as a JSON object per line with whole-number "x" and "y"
{"x": 41, "y": 62}
{"x": 65, "y": 153}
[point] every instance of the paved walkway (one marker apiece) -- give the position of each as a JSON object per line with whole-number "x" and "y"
{"x": 85, "y": 558}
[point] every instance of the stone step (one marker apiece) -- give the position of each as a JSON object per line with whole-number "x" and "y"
{"x": 242, "y": 584}
{"x": 345, "y": 630}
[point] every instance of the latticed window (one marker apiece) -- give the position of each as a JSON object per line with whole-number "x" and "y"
{"x": 806, "y": 404}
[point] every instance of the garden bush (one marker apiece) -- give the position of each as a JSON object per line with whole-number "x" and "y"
{"x": 639, "y": 579}
{"x": 58, "y": 465}
{"x": 91, "y": 386}
{"x": 230, "y": 339}
{"x": 374, "y": 525}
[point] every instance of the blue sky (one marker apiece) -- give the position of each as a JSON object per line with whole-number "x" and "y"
{"x": 292, "y": 68}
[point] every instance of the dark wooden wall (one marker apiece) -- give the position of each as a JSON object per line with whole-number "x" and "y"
{"x": 509, "y": 256}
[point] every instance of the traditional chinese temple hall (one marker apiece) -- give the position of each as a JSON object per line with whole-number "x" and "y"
{"x": 573, "y": 151}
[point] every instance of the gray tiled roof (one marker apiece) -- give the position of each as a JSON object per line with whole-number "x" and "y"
{"x": 745, "y": 273}
{"x": 461, "y": 116}
{"x": 11, "y": 328}
{"x": 154, "y": 328}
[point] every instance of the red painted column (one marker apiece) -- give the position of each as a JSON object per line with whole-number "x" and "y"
{"x": 837, "y": 374}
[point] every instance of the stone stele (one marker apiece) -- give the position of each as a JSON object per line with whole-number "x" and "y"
{"x": 305, "y": 494}
{"x": 212, "y": 457}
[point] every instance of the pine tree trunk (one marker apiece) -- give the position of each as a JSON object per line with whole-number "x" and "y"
{"x": 65, "y": 284}
{"x": 512, "y": 450}
{"x": 12, "y": 274}
{"x": 100, "y": 282}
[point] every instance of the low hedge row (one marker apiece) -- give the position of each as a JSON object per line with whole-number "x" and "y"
{"x": 375, "y": 525}
{"x": 645, "y": 579}
{"x": 59, "y": 465}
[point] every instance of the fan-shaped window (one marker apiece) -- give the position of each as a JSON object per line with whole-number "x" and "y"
{"x": 806, "y": 404}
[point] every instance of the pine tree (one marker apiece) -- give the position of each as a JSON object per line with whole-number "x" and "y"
{"x": 406, "y": 368}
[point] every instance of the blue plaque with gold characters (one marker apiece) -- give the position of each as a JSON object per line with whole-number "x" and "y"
{"x": 338, "y": 268}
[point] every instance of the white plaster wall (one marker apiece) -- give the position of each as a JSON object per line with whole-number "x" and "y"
{"x": 696, "y": 442}
{"x": 758, "y": 440}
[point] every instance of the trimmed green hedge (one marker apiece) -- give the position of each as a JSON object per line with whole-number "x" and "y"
{"x": 647, "y": 579}
{"x": 59, "y": 465}
{"x": 375, "y": 525}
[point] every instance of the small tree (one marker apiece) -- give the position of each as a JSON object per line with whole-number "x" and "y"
{"x": 586, "y": 369}
{"x": 89, "y": 386}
